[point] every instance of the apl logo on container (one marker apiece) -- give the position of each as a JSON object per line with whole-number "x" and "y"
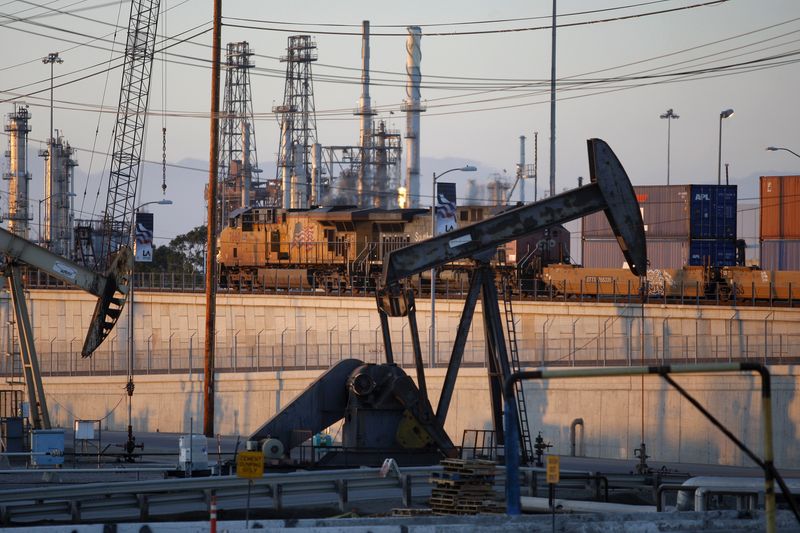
{"x": 702, "y": 196}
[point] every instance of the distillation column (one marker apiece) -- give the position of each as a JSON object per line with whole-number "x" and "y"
{"x": 58, "y": 197}
{"x": 521, "y": 169}
{"x": 18, "y": 175}
{"x": 413, "y": 107}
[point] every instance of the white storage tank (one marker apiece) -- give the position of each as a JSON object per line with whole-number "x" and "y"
{"x": 193, "y": 452}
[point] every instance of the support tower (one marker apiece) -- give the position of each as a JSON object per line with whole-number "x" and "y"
{"x": 238, "y": 160}
{"x": 298, "y": 122}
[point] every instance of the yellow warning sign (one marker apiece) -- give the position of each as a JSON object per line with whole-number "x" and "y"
{"x": 553, "y": 468}
{"x": 250, "y": 464}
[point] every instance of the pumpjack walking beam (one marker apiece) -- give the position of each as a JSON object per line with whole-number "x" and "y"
{"x": 610, "y": 191}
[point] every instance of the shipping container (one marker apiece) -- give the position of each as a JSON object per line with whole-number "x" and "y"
{"x": 712, "y": 213}
{"x": 780, "y": 254}
{"x": 661, "y": 253}
{"x": 665, "y": 212}
{"x": 716, "y": 253}
{"x": 780, "y": 207}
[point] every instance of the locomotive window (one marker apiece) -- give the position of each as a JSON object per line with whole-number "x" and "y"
{"x": 275, "y": 241}
{"x": 390, "y": 227}
{"x": 247, "y": 222}
{"x": 345, "y": 226}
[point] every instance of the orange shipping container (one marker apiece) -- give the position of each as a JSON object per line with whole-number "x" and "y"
{"x": 780, "y": 207}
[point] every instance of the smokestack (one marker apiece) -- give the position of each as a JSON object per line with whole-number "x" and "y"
{"x": 413, "y": 108}
{"x": 364, "y": 187}
{"x": 521, "y": 174}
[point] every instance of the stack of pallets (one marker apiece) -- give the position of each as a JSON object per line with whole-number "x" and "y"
{"x": 463, "y": 487}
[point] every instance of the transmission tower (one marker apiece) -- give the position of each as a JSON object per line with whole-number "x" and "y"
{"x": 238, "y": 160}
{"x": 298, "y": 122}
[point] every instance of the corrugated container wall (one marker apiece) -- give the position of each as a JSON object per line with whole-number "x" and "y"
{"x": 780, "y": 207}
{"x": 665, "y": 211}
{"x": 720, "y": 252}
{"x": 661, "y": 253}
{"x": 713, "y": 212}
{"x": 780, "y": 255}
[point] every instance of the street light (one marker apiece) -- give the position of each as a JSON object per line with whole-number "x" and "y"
{"x": 669, "y": 115}
{"x": 69, "y": 195}
{"x": 776, "y": 148}
{"x": 723, "y": 115}
{"x": 51, "y": 59}
{"x": 130, "y": 445}
{"x": 465, "y": 168}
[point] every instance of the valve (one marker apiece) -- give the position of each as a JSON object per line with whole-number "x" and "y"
{"x": 540, "y": 446}
{"x": 641, "y": 453}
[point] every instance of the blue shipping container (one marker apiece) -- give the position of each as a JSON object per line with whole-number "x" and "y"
{"x": 712, "y": 212}
{"x": 721, "y": 252}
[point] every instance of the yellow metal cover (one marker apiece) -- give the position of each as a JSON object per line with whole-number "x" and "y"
{"x": 553, "y": 468}
{"x": 250, "y": 465}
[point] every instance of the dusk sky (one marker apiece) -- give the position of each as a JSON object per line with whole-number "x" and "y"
{"x": 486, "y": 74}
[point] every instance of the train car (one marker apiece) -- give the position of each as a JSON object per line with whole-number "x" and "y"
{"x": 576, "y": 281}
{"x": 318, "y": 247}
{"x": 748, "y": 283}
{"x": 334, "y": 248}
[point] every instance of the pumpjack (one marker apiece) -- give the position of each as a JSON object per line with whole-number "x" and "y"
{"x": 385, "y": 413}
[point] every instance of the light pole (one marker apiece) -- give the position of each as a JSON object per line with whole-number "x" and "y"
{"x": 725, "y": 114}
{"x": 51, "y": 59}
{"x": 69, "y": 195}
{"x": 776, "y": 148}
{"x": 130, "y": 445}
{"x": 465, "y": 168}
{"x": 669, "y": 115}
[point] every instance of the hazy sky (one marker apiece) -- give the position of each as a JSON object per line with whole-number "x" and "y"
{"x": 486, "y": 72}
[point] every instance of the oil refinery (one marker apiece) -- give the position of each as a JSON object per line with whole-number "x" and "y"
{"x": 336, "y": 348}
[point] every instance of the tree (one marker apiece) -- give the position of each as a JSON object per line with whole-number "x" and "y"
{"x": 192, "y": 246}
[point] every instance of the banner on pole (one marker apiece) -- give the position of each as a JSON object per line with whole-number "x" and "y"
{"x": 445, "y": 207}
{"x": 143, "y": 243}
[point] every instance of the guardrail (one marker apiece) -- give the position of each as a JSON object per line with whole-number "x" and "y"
{"x": 272, "y": 494}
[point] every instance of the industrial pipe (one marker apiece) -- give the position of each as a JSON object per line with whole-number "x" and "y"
{"x": 576, "y": 422}
{"x": 771, "y": 475}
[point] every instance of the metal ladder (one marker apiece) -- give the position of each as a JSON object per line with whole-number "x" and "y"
{"x": 522, "y": 410}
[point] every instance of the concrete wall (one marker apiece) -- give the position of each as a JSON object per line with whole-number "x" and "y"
{"x": 611, "y": 408}
{"x": 551, "y": 332}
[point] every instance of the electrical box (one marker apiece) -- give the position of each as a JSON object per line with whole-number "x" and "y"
{"x": 47, "y": 441}
{"x": 193, "y": 452}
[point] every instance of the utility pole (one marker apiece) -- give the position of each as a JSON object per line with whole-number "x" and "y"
{"x": 553, "y": 107}
{"x": 211, "y": 245}
{"x": 51, "y": 59}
